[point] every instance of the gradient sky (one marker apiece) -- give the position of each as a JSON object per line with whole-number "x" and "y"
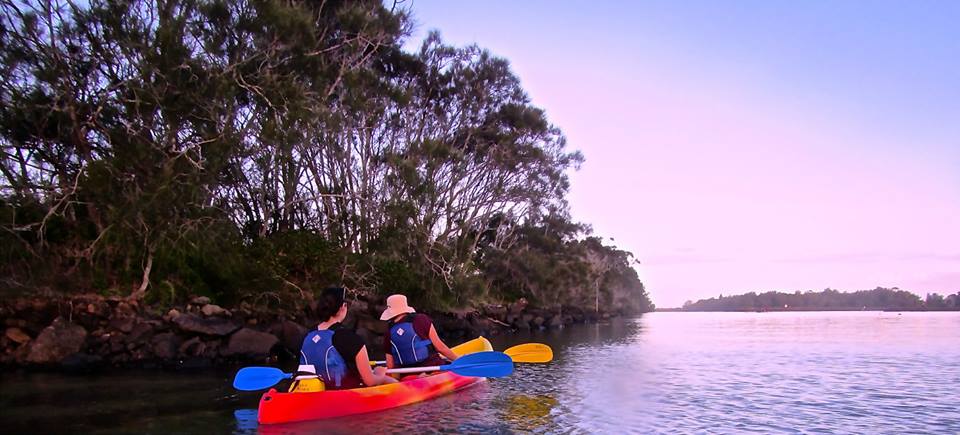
{"x": 738, "y": 146}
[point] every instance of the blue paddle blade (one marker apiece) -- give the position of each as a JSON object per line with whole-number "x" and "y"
{"x": 481, "y": 364}
{"x": 258, "y": 378}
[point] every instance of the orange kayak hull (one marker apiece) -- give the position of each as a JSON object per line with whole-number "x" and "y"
{"x": 277, "y": 407}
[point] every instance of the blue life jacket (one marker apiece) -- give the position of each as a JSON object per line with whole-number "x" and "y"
{"x": 405, "y": 345}
{"x": 318, "y": 350}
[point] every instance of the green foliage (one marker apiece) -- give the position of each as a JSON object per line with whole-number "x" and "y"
{"x": 828, "y": 299}
{"x": 259, "y": 150}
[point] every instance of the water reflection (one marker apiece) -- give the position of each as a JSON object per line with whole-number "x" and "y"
{"x": 246, "y": 421}
{"x": 529, "y": 413}
{"x": 666, "y": 372}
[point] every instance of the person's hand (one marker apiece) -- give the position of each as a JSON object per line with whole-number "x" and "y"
{"x": 380, "y": 371}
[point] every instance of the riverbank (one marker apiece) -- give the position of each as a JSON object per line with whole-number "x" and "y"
{"x": 90, "y": 332}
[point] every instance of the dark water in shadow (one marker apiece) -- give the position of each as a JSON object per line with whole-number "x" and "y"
{"x": 863, "y": 372}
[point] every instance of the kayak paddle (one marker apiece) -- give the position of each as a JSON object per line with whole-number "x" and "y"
{"x": 521, "y": 353}
{"x": 480, "y": 364}
{"x": 530, "y": 353}
{"x": 258, "y": 378}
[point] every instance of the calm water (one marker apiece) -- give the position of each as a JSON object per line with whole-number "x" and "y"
{"x": 837, "y": 372}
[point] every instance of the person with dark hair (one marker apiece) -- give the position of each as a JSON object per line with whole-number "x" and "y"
{"x": 336, "y": 355}
{"x": 411, "y": 341}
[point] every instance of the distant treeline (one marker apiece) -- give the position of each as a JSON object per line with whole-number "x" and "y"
{"x": 829, "y": 299}
{"x": 257, "y": 150}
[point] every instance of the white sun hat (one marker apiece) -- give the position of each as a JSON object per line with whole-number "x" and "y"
{"x": 396, "y": 304}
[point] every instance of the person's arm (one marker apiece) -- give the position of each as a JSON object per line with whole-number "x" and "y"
{"x": 440, "y": 346}
{"x": 386, "y": 350}
{"x": 370, "y": 377}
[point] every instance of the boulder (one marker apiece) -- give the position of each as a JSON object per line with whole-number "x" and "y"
{"x": 98, "y": 308}
{"x": 17, "y": 335}
{"x": 171, "y": 315}
{"x": 125, "y": 309}
{"x": 165, "y": 346}
{"x": 214, "y": 310}
{"x": 521, "y": 323}
{"x": 249, "y": 342}
{"x": 211, "y": 349}
{"x": 141, "y": 332}
{"x": 192, "y": 347}
{"x": 215, "y": 326}
{"x": 518, "y": 306}
{"x": 498, "y": 312}
{"x": 555, "y": 321}
{"x": 117, "y": 344}
{"x": 290, "y": 334}
{"x": 200, "y": 300}
{"x": 122, "y": 324}
{"x": 56, "y": 342}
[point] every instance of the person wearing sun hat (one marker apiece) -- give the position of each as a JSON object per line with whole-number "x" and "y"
{"x": 411, "y": 340}
{"x": 338, "y": 356}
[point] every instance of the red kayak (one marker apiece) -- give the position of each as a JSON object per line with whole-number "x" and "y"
{"x": 278, "y": 407}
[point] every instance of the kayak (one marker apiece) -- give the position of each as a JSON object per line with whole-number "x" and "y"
{"x": 280, "y": 407}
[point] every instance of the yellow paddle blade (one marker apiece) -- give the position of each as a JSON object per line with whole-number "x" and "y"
{"x": 478, "y": 344}
{"x": 530, "y": 353}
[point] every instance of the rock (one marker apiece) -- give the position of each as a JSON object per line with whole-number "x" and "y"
{"x": 200, "y": 300}
{"x": 208, "y": 326}
{"x": 17, "y": 335}
{"x": 498, "y": 312}
{"x": 140, "y": 354}
{"x": 538, "y": 321}
{"x": 192, "y": 347}
{"x": 56, "y": 342}
{"x": 290, "y": 334}
{"x": 521, "y": 323}
{"x": 171, "y": 315}
{"x": 214, "y": 310}
{"x": 211, "y": 349}
{"x": 141, "y": 332}
{"x": 124, "y": 309}
{"x": 555, "y": 321}
{"x": 249, "y": 342}
{"x": 165, "y": 346}
{"x": 123, "y": 324}
{"x": 98, "y": 308}
{"x": 518, "y": 306}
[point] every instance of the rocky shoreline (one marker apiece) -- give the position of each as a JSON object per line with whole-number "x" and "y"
{"x": 90, "y": 332}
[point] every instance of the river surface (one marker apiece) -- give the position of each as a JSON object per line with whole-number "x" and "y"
{"x": 814, "y": 372}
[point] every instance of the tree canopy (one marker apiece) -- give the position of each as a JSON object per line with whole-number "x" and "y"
{"x": 826, "y": 300}
{"x": 260, "y": 149}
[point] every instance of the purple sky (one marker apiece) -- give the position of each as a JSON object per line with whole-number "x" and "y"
{"x": 748, "y": 145}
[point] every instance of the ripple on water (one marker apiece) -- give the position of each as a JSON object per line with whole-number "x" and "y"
{"x": 664, "y": 373}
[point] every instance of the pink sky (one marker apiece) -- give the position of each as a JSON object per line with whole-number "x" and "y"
{"x": 728, "y": 166}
